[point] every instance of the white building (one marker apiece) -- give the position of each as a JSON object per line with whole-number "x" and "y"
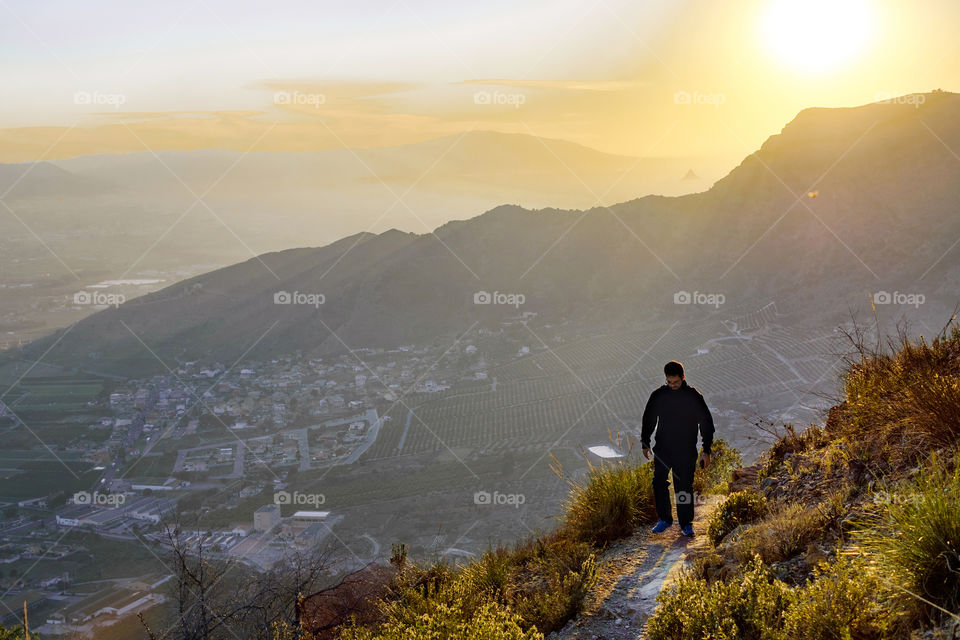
{"x": 266, "y": 517}
{"x": 310, "y": 516}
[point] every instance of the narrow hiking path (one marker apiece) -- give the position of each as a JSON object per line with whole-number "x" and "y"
{"x": 631, "y": 574}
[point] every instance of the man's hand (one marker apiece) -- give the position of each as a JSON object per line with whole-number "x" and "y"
{"x": 646, "y": 453}
{"x": 706, "y": 460}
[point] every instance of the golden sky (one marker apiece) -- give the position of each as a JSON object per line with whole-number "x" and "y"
{"x": 656, "y": 78}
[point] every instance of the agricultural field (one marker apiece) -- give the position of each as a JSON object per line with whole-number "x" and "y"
{"x": 54, "y": 394}
{"x": 569, "y": 391}
{"x": 50, "y": 414}
{"x": 31, "y": 477}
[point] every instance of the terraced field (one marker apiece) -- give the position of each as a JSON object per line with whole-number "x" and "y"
{"x": 563, "y": 391}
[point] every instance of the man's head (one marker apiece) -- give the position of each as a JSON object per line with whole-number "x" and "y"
{"x": 673, "y": 370}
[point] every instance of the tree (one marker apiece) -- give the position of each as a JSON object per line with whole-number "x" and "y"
{"x": 220, "y": 598}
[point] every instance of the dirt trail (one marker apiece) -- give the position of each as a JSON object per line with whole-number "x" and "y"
{"x": 632, "y": 572}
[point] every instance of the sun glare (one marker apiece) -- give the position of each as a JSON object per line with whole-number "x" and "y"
{"x": 817, "y": 35}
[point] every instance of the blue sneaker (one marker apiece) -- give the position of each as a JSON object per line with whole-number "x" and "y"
{"x": 661, "y": 526}
{"x": 687, "y": 530}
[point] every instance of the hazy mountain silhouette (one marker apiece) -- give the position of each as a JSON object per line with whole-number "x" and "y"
{"x": 275, "y": 200}
{"x": 38, "y": 179}
{"x": 884, "y": 219}
{"x": 109, "y": 216}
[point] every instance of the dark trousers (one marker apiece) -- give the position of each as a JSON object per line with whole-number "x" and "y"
{"x": 682, "y": 464}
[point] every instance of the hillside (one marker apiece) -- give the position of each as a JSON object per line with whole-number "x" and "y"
{"x": 847, "y": 529}
{"x": 841, "y": 203}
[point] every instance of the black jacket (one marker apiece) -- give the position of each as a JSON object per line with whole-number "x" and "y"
{"x": 680, "y": 412}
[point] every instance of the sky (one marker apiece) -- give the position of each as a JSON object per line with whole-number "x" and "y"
{"x": 653, "y": 78}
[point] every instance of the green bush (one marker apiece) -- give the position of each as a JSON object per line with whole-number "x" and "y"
{"x": 781, "y": 534}
{"x": 544, "y": 581}
{"x": 840, "y": 601}
{"x": 912, "y": 395}
{"x": 16, "y": 633}
{"x": 533, "y": 588}
{"x": 750, "y": 608}
{"x": 490, "y": 574}
{"x": 714, "y": 478}
{"x": 555, "y": 594}
{"x": 613, "y": 500}
{"x": 742, "y": 507}
{"x": 789, "y": 441}
{"x": 914, "y": 539}
{"x": 452, "y": 618}
{"x": 440, "y": 602}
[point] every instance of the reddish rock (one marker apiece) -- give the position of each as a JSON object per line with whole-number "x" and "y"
{"x": 357, "y": 594}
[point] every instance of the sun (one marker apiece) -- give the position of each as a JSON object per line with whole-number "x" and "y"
{"x": 817, "y": 35}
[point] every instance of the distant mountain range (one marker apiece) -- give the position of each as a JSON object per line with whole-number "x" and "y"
{"x": 274, "y": 200}
{"x": 842, "y": 204}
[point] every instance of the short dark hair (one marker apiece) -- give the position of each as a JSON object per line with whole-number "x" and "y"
{"x": 673, "y": 368}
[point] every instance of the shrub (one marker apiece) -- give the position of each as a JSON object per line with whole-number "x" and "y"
{"x": 15, "y": 633}
{"x": 789, "y": 441}
{"x": 914, "y": 540}
{"x": 841, "y": 601}
{"x": 911, "y": 395}
{"x": 440, "y": 602}
{"x": 611, "y": 502}
{"x": 538, "y": 585}
{"x": 742, "y": 507}
{"x": 750, "y": 608}
{"x": 936, "y": 406}
{"x": 544, "y": 581}
{"x": 723, "y": 461}
{"x": 490, "y": 574}
{"x": 554, "y": 592}
{"x": 781, "y": 534}
{"x": 449, "y": 618}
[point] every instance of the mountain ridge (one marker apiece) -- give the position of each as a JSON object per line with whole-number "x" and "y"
{"x": 755, "y": 235}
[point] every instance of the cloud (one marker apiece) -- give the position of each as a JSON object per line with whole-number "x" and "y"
{"x": 310, "y": 116}
{"x": 295, "y": 116}
{"x": 342, "y": 90}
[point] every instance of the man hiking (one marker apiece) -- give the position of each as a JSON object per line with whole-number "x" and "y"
{"x": 676, "y": 410}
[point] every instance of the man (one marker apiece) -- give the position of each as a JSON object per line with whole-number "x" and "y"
{"x": 676, "y": 410}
